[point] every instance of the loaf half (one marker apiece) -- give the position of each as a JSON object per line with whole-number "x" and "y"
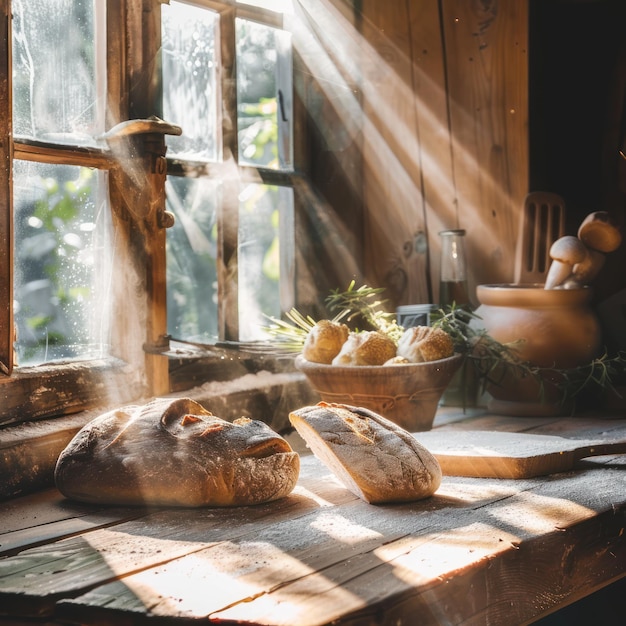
{"x": 374, "y": 458}
{"x": 176, "y": 453}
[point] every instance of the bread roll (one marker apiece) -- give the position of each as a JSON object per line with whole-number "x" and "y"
{"x": 323, "y": 342}
{"x": 374, "y": 458}
{"x": 366, "y": 348}
{"x": 176, "y": 453}
{"x": 425, "y": 343}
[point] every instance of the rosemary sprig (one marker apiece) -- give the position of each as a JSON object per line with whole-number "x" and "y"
{"x": 352, "y": 305}
{"x": 600, "y": 374}
{"x": 364, "y": 303}
{"x": 290, "y": 335}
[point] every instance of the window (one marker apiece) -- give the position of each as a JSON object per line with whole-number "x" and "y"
{"x": 59, "y": 208}
{"x": 230, "y": 254}
{"x": 60, "y": 228}
{"x": 92, "y": 285}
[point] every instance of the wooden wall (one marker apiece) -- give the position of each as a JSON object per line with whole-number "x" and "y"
{"x": 445, "y": 138}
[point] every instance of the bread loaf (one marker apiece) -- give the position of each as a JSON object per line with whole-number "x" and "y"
{"x": 373, "y": 457}
{"x": 176, "y": 453}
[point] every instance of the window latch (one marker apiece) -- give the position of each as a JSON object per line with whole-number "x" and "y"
{"x": 138, "y": 147}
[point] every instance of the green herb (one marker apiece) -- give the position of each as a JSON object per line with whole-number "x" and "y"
{"x": 351, "y": 306}
{"x": 290, "y": 335}
{"x": 364, "y": 303}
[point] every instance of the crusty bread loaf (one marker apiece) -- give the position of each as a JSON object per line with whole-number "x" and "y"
{"x": 374, "y": 458}
{"x": 176, "y": 453}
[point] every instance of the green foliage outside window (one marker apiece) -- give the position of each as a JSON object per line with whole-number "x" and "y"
{"x": 54, "y": 263}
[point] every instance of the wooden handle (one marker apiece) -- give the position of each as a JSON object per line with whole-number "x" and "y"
{"x": 600, "y": 449}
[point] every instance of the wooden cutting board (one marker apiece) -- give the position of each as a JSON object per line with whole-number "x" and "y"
{"x": 495, "y": 454}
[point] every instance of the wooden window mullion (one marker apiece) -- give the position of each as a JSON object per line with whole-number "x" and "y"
{"x": 146, "y": 236}
{"x": 228, "y": 218}
{"x": 6, "y": 202}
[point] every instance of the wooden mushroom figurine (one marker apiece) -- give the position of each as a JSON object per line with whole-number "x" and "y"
{"x": 566, "y": 252}
{"x": 600, "y": 237}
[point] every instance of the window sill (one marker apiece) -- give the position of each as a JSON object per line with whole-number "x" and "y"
{"x": 55, "y": 389}
{"x": 28, "y": 451}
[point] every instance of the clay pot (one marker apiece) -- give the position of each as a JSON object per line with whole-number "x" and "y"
{"x": 406, "y": 394}
{"x": 557, "y": 328}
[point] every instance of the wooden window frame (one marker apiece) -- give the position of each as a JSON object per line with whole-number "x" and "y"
{"x": 6, "y": 196}
{"x": 55, "y": 389}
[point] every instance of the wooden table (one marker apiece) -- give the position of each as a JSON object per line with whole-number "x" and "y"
{"x": 480, "y": 551}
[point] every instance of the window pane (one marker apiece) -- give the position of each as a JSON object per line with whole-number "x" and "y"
{"x": 191, "y": 259}
{"x": 60, "y": 234}
{"x": 264, "y": 100}
{"x": 191, "y": 93}
{"x": 54, "y": 71}
{"x": 265, "y": 256}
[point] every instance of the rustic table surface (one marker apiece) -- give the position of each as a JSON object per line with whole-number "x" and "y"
{"x": 480, "y": 551}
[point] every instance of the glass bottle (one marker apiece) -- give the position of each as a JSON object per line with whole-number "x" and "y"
{"x": 453, "y": 271}
{"x": 462, "y": 390}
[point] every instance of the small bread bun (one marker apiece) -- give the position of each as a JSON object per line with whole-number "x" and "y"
{"x": 176, "y": 453}
{"x": 366, "y": 348}
{"x": 425, "y": 343}
{"x": 374, "y": 458}
{"x": 324, "y": 341}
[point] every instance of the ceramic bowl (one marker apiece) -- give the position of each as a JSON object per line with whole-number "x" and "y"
{"x": 406, "y": 394}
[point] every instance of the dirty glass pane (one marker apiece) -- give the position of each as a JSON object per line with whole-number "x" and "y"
{"x": 56, "y": 57}
{"x": 191, "y": 259}
{"x": 264, "y": 96}
{"x": 265, "y": 257}
{"x": 60, "y": 233}
{"x": 191, "y": 92}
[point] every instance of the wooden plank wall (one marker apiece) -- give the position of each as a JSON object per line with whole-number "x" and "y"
{"x": 445, "y": 138}
{"x": 328, "y": 195}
